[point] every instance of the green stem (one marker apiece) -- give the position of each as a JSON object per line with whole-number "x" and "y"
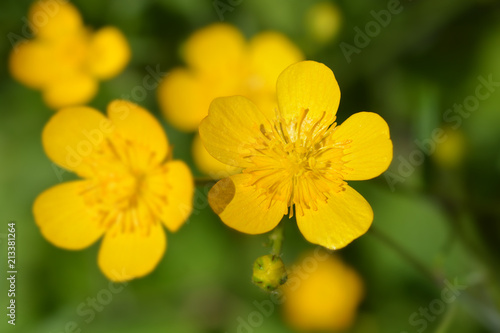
{"x": 447, "y": 320}
{"x": 277, "y": 237}
{"x": 416, "y": 263}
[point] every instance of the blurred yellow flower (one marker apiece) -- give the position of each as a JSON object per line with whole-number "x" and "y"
{"x": 221, "y": 63}
{"x": 450, "y": 153}
{"x": 294, "y": 157}
{"x": 321, "y": 297}
{"x": 130, "y": 186}
{"x": 323, "y": 21}
{"x": 65, "y": 60}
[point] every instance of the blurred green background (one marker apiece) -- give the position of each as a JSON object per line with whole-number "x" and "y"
{"x": 442, "y": 211}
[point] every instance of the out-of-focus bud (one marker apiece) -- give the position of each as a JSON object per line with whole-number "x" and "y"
{"x": 269, "y": 272}
{"x": 323, "y": 21}
{"x": 450, "y": 153}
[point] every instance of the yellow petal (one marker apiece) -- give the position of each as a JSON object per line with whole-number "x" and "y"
{"x": 31, "y": 63}
{"x": 270, "y": 54}
{"x": 177, "y": 185}
{"x": 308, "y": 85}
{"x": 218, "y": 48}
{"x": 139, "y": 126}
{"x": 345, "y": 217}
{"x": 108, "y": 53}
{"x": 75, "y": 90}
{"x": 128, "y": 255}
{"x": 370, "y": 148}
{"x": 73, "y": 135}
{"x": 207, "y": 164}
{"x": 183, "y": 99}
{"x": 54, "y": 18}
{"x": 232, "y": 123}
{"x": 185, "y": 96}
{"x": 243, "y": 207}
{"x": 63, "y": 217}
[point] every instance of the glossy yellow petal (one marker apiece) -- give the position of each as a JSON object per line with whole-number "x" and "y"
{"x": 140, "y": 127}
{"x": 73, "y": 135}
{"x": 370, "y": 147}
{"x": 270, "y": 53}
{"x": 77, "y": 89}
{"x": 311, "y": 86}
{"x": 207, "y": 164}
{"x": 218, "y": 48}
{"x": 31, "y": 63}
{"x": 243, "y": 207}
{"x": 231, "y": 125}
{"x": 128, "y": 255}
{"x": 63, "y": 217}
{"x": 336, "y": 223}
{"x": 52, "y": 19}
{"x": 176, "y": 187}
{"x": 108, "y": 53}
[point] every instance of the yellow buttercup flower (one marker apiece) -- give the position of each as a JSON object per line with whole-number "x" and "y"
{"x": 65, "y": 60}
{"x": 296, "y": 159}
{"x": 221, "y": 63}
{"x": 130, "y": 187}
{"x": 321, "y": 294}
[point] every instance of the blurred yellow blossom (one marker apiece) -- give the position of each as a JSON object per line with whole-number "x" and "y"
{"x": 130, "y": 187}
{"x": 321, "y": 295}
{"x": 323, "y": 21}
{"x": 65, "y": 60}
{"x": 220, "y": 62}
{"x": 450, "y": 153}
{"x": 296, "y": 159}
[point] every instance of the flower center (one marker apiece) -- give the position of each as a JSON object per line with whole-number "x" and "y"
{"x": 122, "y": 191}
{"x": 296, "y": 161}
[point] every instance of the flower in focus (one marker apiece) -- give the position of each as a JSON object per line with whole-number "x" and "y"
{"x": 65, "y": 60}
{"x": 321, "y": 297}
{"x": 296, "y": 159}
{"x": 220, "y": 62}
{"x": 130, "y": 187}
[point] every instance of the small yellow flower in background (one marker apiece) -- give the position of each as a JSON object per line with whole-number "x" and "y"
{"x": 220, "y": 62}
{"x": 323, "y": 21}
{"x": 321, "y": 297}
{"x": 295, "y": 158}
{"x": 65, "y": 60}
{"x": 130, "y": 187}
{"x": 450, "y": 153}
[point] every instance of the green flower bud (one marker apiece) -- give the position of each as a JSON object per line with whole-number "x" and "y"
{"x": 269, "y": 272}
